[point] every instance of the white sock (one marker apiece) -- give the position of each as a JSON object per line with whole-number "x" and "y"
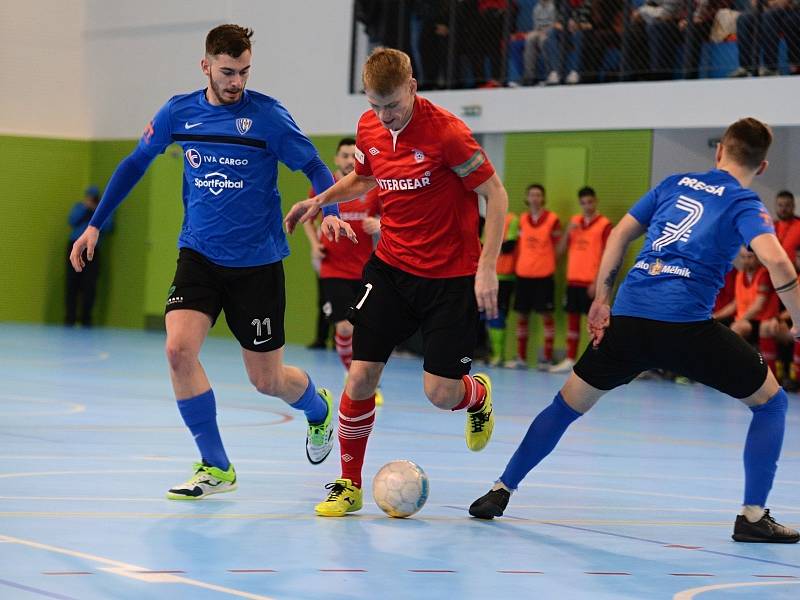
{"x": 499, "y": 485}
{"x": 752, "y": 512}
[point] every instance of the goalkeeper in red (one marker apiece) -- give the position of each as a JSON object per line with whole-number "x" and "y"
{"x": 429, "y": 270}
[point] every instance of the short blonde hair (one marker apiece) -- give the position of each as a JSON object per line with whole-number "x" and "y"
{"x": 385, "y": 70}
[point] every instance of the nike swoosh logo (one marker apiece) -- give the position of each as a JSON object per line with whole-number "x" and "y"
{"x": 188, "y": 125}
{"x": 259, "y": 342}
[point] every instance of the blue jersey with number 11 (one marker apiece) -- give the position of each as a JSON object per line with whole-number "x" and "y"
{"x": 696, "y": 223}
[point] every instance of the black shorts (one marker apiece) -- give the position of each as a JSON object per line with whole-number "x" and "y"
{"x": 704, "y": 351}
{"x": 504, "y": 294}
{"x": 393, "y": 304}
{"x": 339, "y": 295}
{"x": 577, "y": 300}
{"x": 253, "y": 298}
{"x": 534, "y": 294}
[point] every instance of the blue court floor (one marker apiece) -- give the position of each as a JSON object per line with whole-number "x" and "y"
{"x": 638, "y": 500}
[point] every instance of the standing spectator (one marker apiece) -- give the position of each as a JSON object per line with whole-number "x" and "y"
{"x": 787, "y": 225}
{"x": 584, "y": 241}
{"x": 604, "y": 33}
{"x": 651, "y": 41}
{"x": 434, "y": 38}
{"x": 544, "y": 17}
{"x": 758, "y": 34}
{"x": 506, "y": 279}
{"x": 493, "y": 15}
{"x": 539, "y": 232}
{"x": 81, "y": 287}
{"x": 565, "y": 37}
{"x": 697, "y": 27}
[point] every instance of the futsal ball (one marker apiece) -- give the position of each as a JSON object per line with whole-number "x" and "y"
{"x": 400, "y": 488}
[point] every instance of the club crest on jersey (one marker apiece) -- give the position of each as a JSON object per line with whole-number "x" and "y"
{"x": 418, "y": 155}
{"x": 193, "y": 156}
{"x": 243, "y": 125}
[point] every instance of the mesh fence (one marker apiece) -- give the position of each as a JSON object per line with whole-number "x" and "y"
{"x": 492, "y": 43}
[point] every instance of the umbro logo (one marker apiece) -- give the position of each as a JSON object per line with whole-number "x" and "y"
{"x": 374, "y": 151}
{"x": 466, "y": 360}
{"x": 347, "y": 458}
{"x": 188, "y": 125}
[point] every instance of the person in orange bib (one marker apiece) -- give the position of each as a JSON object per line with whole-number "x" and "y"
{"x": 506, "y": 263}
{"x": 756, "y": 307}
{"x": 584, "y": 242}
{"x": 539, "y": 232}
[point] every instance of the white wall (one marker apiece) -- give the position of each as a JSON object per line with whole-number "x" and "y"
{"x": 688, "y": 150}
{"x": 42, "y": 68}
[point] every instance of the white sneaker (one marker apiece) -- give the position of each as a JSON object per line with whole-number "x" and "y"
{"x": 544, "y": 366}
{"x": 206, "y": 480}
{"x": 517, "y": 363}
{"x": 562, "y": 367}
{"x": 552, "y": 78}
{"x": 572, "y": 78}
{"x": 319, "y": 437}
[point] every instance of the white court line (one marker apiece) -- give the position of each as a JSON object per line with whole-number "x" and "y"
{"x": 100, "y": 356}
{"x": 132, "y": 571}
{"x": 691, "y": 593}
{"x": 71, "y": 408}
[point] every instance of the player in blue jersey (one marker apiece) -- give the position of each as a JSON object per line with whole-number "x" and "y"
{"x": 231, "y": 246}
{"x": 695, "y": 224}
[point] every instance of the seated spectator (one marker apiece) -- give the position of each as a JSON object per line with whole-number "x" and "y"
{"x": 758, "y": 33}
{"x": 651, "y": 41}
{"x": 493, "y": 14}
{"x": 434, "y": 37}
{"x": 565, "y": 37}
{"x": 603, "y": 33}
{"x": 544, "y": 17}
{"x": 756, "y": 304}
{"x": 697, "y": 27}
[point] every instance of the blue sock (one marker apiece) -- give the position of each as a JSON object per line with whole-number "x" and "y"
{"x": 200, "y": 415}
{"x": 763, "y": 448}
{"x": 312, "y": 404}
{"x": 543, "y": 435}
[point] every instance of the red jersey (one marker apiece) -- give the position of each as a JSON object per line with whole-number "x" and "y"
{"x": 788, "y": 233}
{"x": 425, "y": 174}
{"x": 343, "y": 259}
{"x": 751, "y": 285}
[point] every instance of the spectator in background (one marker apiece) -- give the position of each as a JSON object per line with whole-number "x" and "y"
{"x": 604, "y": 33}
{"x": 434, "y": 38}
{"x": 759, "y": 31}
{"x": 544, "y": 17}
{"x": 506, "y": 278}
{"x": 725, "y": 304}
{"x": 493, "y": 14}
{"x": 565, "y": 37}
{"x": 697, "y": 27}
{"x": 387, "y": 22}
{"x": 539, "y": 232}
{"x": 584, "y": 242}
{"x": 651, "y": 41}
{"x": 81, "y": 287}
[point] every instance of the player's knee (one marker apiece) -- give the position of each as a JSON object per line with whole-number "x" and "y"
{"x": 180, "y": 356}
{"x": 267, "y": 384}
{"x": 441, "y": 396}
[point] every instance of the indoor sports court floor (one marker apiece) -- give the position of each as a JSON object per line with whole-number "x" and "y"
{"x": 637, "y": 502}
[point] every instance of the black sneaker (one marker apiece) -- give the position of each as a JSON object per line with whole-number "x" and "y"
{"x": 765, "y": 530}
{"x": 491, "y": 505}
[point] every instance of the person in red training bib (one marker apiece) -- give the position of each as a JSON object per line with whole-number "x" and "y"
{"x": 584, "y": 242}
{"x": 428, "y": 272}
{"x": 539, "y": 232}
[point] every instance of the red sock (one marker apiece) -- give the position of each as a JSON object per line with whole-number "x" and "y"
{"x": 573, "y": 335}
{"x": 474, "y": 394}
{"x": 769, "y": 350}
{"x": 344, "y": 347}
{"x": 355, "y": 425}
{"x": 549, "y": 335}
{"x": 522, "y": 336}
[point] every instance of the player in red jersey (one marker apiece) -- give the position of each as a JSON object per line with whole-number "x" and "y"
{"x": 341, "y": 268}
{"x": 428, "y": 271}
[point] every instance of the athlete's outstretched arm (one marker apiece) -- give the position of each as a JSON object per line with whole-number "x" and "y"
{"x": 782, "y": 273}
{"x": 347, "y": 188}
{"x": 486, "y": 285}
{"x": 125, "y": 177}
{"x": 627, "y": 230}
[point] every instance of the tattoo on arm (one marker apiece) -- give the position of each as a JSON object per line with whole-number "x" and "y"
{"x": 612, "y": 276}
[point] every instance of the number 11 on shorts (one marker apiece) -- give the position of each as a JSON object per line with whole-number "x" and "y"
{"x": 361, "y": 302}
